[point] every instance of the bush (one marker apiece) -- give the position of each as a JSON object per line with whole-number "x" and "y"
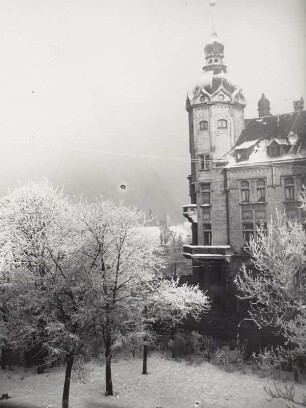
{"x": 227, "y": 359}
{"x": 186, "y": 345}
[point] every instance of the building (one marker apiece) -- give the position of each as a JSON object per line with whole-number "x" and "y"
{"x": 241, "y": 172}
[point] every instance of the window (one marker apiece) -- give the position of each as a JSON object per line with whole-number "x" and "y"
{"x": 289, "y": 189}
{"x": 207, "y": 233}
{"x": 242, "y": 155}
{"x": 204, "y": 161}
{"x": 206, "y": 216}
{"x": 248, "y": 231}
{"x": 291, "y": 213}
{"x": 203, "y": 125}
{"x": 205, "y": 190}
{"x": 274, "y": 151}
{"x": 261, "y": 191}
{"x": 262, "y": 226}
{"x": 222, "y": 124}
{"x": 245, "y": 191}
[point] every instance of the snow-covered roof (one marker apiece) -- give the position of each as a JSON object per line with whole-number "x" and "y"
{"x": 246, "y": 145}
{"x": 278, "y": 127}
{"x": 259, "y": 155}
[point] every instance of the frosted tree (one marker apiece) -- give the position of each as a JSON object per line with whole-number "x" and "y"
{"x": 122, "y": 260}
{"x": 276, "y": 288}
{"x": 170, "y": 302}
{"x": 44, "y": 282}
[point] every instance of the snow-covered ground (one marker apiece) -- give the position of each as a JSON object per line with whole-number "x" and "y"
{"x": 169, "y": 384}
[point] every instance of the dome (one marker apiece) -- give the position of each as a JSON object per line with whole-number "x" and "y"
{"x": 215, "y": 80}
{"x": 214, "y": 48}
{"x": 211, "y": 82}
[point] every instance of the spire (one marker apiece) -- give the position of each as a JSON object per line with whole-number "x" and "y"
{"x": 212, "y": 4}
{"x": 214, "y": 50}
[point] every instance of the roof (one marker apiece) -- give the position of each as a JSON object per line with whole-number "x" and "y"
{"x": 246, "y": 145}
{"x": 275, "y": 127}
{"x": 288, "y": 129}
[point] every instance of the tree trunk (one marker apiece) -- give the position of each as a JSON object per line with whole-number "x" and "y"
{"x": 108, "y": 367}
{"x": 3, "y": 358}
{"x": 69, "y": 364}
{"x": 173, "y": 355}
{"x": 145, "y": 360}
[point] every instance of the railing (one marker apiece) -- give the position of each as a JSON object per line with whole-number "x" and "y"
{"x": 209, "y": 252}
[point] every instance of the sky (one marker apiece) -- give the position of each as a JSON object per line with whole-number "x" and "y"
{"x": 92, "y": 92}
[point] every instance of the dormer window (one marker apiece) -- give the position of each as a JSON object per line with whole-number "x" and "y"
{"x": 274, "y": 151}
{"x": 278, "y": 147}
{"x": 242, "y": 155}
{"x": 203, "y": 125}
{"x": 222, "y": 124}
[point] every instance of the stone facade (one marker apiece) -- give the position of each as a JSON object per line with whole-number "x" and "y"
{"x": 241, "y": 173}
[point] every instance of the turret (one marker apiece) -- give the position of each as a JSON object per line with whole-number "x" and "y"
{"x": 264, "y": 106}
{"x": 298, "y": 104}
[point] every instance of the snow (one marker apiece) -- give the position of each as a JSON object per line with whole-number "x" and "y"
{"x": 246, "y": 145}
{"x": 206, "y": 79}
{"x": 259, "y": 155}
{"x": 224, "y": 75}
{"x": 169, "y": 384}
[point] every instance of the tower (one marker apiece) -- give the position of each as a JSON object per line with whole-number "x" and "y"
{"x": 216, "y": 119}
{"x": 298, "y": 104}
{"x": 264, "y": 106}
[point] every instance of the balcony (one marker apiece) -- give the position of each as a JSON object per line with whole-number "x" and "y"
{"x": 207, "y": 252}
{"x": 190, "y": 212}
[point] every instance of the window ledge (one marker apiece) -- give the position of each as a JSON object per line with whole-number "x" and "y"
{"x": 290, "y": 201}
{"x": 204, "y": 169}
{"x": 205, "y": 205}
{"x": 254, "y": 203}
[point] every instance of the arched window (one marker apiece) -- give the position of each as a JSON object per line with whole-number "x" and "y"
{"x": 222, "y": 124}
{"x": 215, "y": 60}
{"x": 289, "y": 189}
{"x": 261, "y": 191}
{"x": 245, "y": 191}
{"x": 203, "y": 125}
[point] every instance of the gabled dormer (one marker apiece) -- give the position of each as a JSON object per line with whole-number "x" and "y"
{"x": 277, "y": 147}
{"x": 243, "y": 151}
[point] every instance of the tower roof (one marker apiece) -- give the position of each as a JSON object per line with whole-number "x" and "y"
{"x": 214, "y": 48}
{"x": 263, "y": 102}
{"x": 215, "y": 79}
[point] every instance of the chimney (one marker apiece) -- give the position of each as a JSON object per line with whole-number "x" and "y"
{"x": 298, "y": 104}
